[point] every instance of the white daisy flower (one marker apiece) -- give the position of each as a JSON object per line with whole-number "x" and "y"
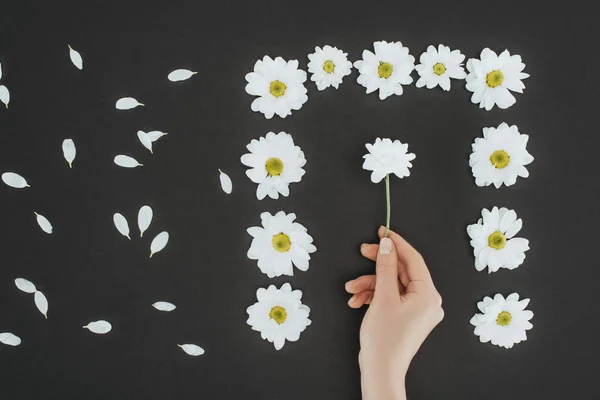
{"x": 279, "y": 243}
{"x": 504, "y": 322}
{"x": 387, "y": 157}
{"x": 328, "y": 67}
{"x": 492, "y": 77}
{"x": 279, "y": 86}
{"x": 438, "y": 66}
{"x": 275, "y": 162}
{"x": 500, "y": 156}
{"x": 279, "y": 314}
{"x": 493, "y": 241}
{"x": 387, "y": 70}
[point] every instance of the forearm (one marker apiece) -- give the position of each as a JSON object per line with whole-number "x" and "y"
{"x": 380, "y": 385}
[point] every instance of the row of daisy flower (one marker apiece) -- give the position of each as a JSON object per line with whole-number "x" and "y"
{"x": 279, "y": 84}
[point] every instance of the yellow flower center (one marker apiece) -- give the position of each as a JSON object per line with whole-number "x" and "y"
{"x": 500, "y": 159}
{"x": 504, "y": 318}
{"x": 385, "y": 70}
{"x": 497, "y": 240}
{"x": 329, "y": 66}
{"x": 494, "y": 78}
{"x": 439, "y": 68}
{"x": 274, "y": 166}
{"x": 279, "y": 315}
{"x": 277, "y": 88}
{"x": 281, "y": 242}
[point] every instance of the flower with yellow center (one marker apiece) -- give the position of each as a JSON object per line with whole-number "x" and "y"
{"x": 328, "y": 67}
{"x": 493, "y": 77}
{"x": 502, "y": 321}
{"x": 493, "y": 240}
{"x": 279, "y": 244}
{"x": 279, "y": 314}
{"x": 438, "y": 66}
{"x": 500, "y": 157}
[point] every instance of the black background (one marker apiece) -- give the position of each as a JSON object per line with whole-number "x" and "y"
{"x": 88, "y": 271}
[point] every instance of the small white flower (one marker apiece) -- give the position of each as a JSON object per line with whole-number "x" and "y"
{"x": 493, "y": 241}
{"x": 492, "y": 77}
{"x": 500, "y": 156}
{"x": 504, "y": 322}
{"x": 387, "y": 157}
{"x": 275, "y": 162}
{"x": 279, "y": 244}
{"x": 279, "y": 314}
{"x": 328, "y": 67}
{"x": 387, "y": 69}
{"x": 438, "y": 66}
{"x": 279, "y": 86}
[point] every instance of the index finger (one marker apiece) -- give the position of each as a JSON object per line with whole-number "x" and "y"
{"x": 413, "y": 261}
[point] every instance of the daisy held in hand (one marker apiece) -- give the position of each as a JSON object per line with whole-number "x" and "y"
{"x": 386, "y": 157}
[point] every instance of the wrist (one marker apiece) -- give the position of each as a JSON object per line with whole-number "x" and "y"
{"x": 382, "y": 384}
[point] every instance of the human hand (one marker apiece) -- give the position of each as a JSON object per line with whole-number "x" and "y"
{"x": 404, "y": 308}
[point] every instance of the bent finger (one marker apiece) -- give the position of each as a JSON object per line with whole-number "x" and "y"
{"x": 360, "y": 299}
{"x": 360, "y": 284}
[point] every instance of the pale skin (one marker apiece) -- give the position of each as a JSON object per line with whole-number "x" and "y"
{"x": 404, "y": 307}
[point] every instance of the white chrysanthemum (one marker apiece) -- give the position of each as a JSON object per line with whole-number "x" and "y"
{"x": 387, "y": 69}
{"x": 275, "y": 162}
{"x": 492, "y": 77}
{"x": 279, "y": 314}
{"x": 493, "y": 241}
{"x": 504, "y": 322}
{"x": 387, "y": 157}
{"x": 328, "y": 67}
{"x": 500, "y": 156}
{"x": 279, "y": 86}
{"x": 279, "y": 243}
{"x": 438, "y": 66}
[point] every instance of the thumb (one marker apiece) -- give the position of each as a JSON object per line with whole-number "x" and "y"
{"x": 386, "y": 284}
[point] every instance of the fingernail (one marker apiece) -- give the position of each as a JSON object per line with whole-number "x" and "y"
{"x": 385, "y": 246}
{"x": 352, "y": 300}
{"x": 348, "y": 284}
{"x": 363, "y": 245}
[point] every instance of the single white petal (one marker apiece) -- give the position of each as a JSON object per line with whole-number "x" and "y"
{"x": 155, "y": 135}
{"x": 144, "y": 218}
{"x": 4, "y": 95}
{"x": 9, "y": 339}
{"x": 43, "y": 223}
{"x": 164, "y": 306}
{"x": 69, "y": 151}
{"x": 41, "y": 303}
{"x": 126, "y": 161}
{"x": 100, "y": 327}
{"x": 226, "y": 183}
{"x": 192, "y": 349}
{"x": 127, "y": 103}
{"x": 145, "y": 140}
{"x": 75, "y": 58}
{"x": 121, "y": 225}
{"x": 159, "y": 243}
{"x": 14, "y": 180}
{"x": 0, "y": 70}
{"x": 25, "y": 285}
{"x": 180, "y": 75}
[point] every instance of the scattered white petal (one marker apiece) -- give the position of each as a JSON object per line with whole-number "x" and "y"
{"x": 387, "y": 157}
{"x": 226, "y": 183}
{"x": 25, "y": 285}
{"x": 181, "y": 75}
{"x": 100, "y": 327}
{"x": 121, "y": 225}
{"x": 0, "y": 70}
{"x": 155, "y": 135}
{"x": 126, "y": 161}
{"x": 192, "y": 349}
{"x": 69, "y": 151}
{"x": 159, "y": 243}
{"x": 43, "y": 223}
{"x": 9, "y": 339}
{"x": 41, "y": 303}
{"x": 4, "y": 95}
{"x": 76, "y": 58}
{"x": 279, "y": 314}
{"x": 164, "y": 306}
{"x": 145, "y": 140}
{"x": 14, "y": 180}
{"x": 438, "y": 66}
{"x": 144, "y": 219}
{"x": 328, "y": 67}
{"x": 127, "y": 103}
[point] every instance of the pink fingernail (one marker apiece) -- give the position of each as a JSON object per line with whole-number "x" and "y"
{"x": 385, "y": 246}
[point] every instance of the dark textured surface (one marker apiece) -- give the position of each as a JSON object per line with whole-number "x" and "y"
{"x": 88, "y": 271}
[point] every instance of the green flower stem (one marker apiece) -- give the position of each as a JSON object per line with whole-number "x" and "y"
{"x": 389, "y": 207}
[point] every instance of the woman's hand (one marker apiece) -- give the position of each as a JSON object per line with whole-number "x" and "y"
{"x": 404, "y": 308}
